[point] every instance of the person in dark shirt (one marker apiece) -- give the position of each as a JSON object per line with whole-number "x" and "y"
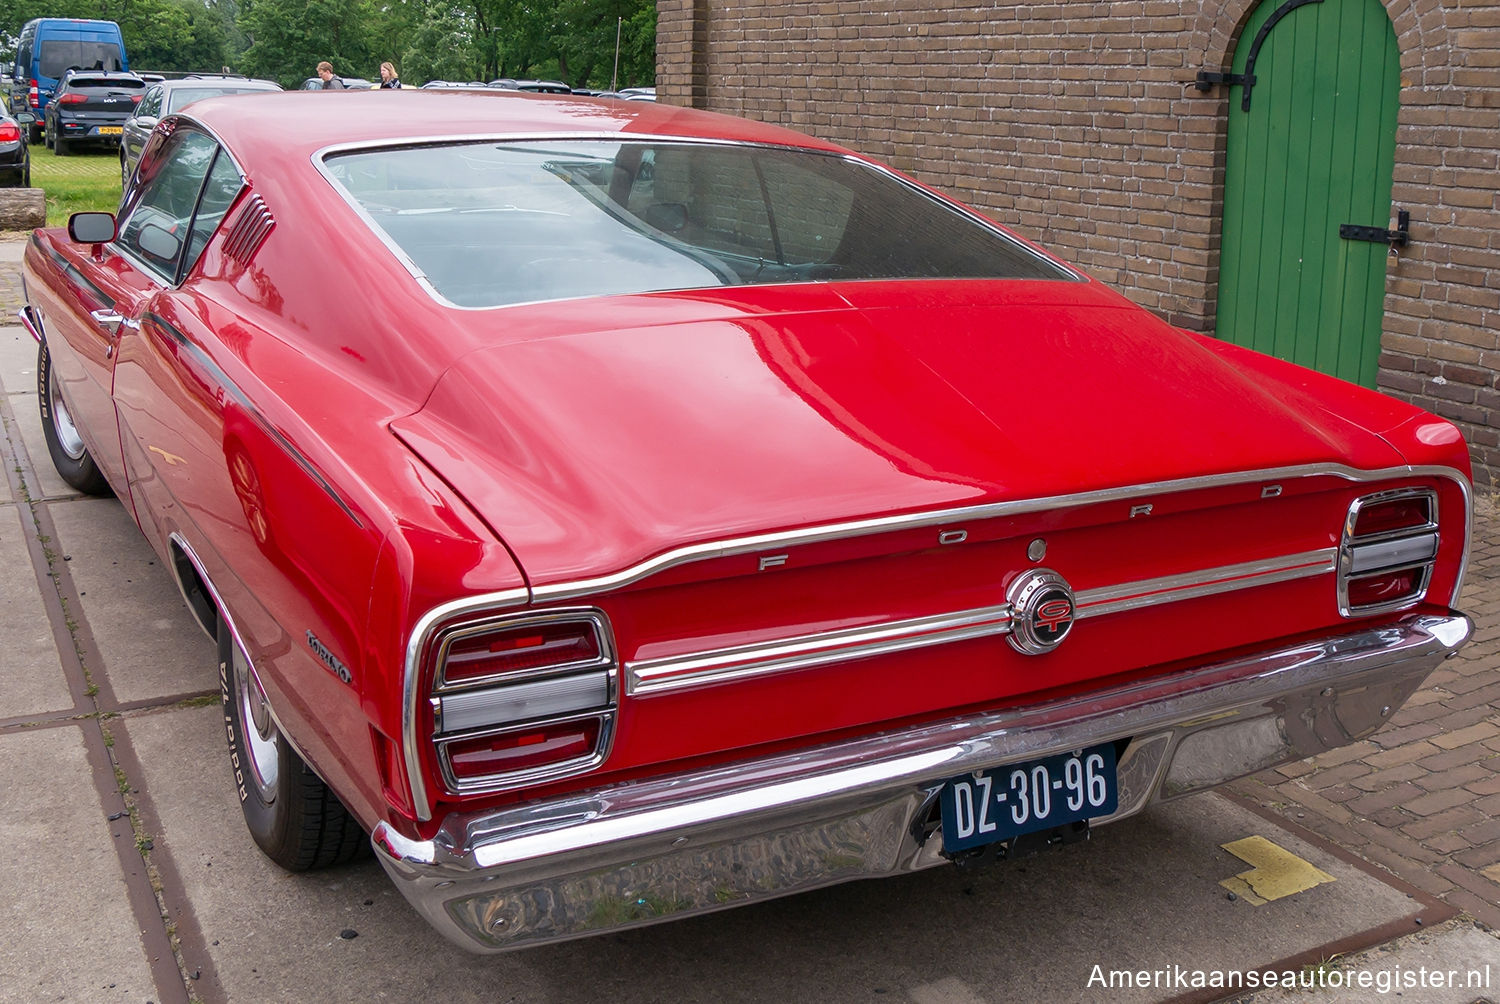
{"x": 388, "y": 79}
{"x": 330, "y": 81}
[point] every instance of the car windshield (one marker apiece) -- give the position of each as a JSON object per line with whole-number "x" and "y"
{"x": 181, "y": 97}
{"x": 489, "y": 224}
{"x": 59, "y": 55}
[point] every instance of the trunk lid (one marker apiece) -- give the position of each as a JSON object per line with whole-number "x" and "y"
{"x": 596, "y": 449}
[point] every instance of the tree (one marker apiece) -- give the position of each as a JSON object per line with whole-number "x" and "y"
{"x": 288, "y": 38}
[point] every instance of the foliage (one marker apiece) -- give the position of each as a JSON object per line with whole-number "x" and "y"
{"x": 284, "y": 40}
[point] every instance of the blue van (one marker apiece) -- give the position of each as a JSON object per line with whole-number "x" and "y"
{"x": 48, "y": 47}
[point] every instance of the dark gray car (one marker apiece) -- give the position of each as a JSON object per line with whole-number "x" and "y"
{"x": 169, "y": 96}
{"x": 91, "y": 106}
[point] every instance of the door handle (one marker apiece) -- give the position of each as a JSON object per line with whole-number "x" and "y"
{"x": 107, "y": 316}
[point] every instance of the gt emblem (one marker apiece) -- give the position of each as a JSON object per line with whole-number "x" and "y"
{"x": 1041, "y": 611}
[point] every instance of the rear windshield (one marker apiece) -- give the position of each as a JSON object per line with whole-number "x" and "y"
{"x": 77, "y": 81}
{"x": 490, "y": 224}
{"x": 63, "y": 54}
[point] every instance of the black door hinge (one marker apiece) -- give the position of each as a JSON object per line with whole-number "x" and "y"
{"x": 1399, "y": 237}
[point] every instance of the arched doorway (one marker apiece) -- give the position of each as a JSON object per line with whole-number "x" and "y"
{"x": 1311, "y": 147}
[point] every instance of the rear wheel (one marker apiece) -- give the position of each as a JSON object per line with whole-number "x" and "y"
{"x": 64, "y": 444}
{"x": 292, "y": 815}
{"x": 60, "y": 146}
{"x": 35, "y": 136}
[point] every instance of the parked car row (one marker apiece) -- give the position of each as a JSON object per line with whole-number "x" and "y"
{"x": 15, "y": 153}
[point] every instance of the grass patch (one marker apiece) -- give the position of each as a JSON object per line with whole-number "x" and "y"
{"x": 85, "y": 180}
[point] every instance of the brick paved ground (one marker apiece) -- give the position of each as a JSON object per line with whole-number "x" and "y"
{"x": 1421, "y": 798}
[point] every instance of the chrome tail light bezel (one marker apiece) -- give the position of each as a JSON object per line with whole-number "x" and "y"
{"x": 576, "y": 691}
{"x": 1413, "y": 548}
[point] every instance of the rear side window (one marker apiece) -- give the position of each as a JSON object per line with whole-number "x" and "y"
{"x": 58, "y": 55}
{"x": 488, "y": 224}
{"x": 179, "y": 199}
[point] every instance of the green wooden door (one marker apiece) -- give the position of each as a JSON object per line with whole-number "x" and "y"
{"x": 1315, "y": 149}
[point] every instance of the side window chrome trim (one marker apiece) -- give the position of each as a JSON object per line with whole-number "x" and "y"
{"x": 181, "y": 273}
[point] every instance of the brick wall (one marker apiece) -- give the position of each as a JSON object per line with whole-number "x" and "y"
{"x": 1077, "y": 124}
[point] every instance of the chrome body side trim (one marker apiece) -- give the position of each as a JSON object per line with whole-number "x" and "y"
{"x": 561, "y": 591}
{"x": 698, "y": 669}
{"x": 785, "y": 655}
{"x": 716, "y": 837}
{"x": 231, "y": 388}
{"x": 1209, "y": 582}
{"x": 234, "y": 631}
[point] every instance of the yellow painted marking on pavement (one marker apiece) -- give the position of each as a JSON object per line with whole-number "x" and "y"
{"x": 1275, "y": 871}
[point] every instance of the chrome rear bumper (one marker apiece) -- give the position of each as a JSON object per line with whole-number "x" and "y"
{"x": 646, "y": 851}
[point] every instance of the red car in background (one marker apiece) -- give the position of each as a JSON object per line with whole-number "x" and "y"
{"x": 620, "y": 512}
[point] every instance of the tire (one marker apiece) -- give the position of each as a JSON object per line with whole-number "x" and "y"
{"x": 60, "y": 146}
{"x": 294, "y": 818}
{"x": 69, "y": 455}
{"x": 36, "y": 134}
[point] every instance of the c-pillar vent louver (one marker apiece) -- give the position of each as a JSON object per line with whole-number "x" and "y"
{"x": 249, "y": 231}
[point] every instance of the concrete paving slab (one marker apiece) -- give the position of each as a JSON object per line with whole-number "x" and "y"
{"x": 17, "y": 358}
{"x": 150, "y": 644}
{"x": 31, "y": 675}
{"x": 48, "y": 484}
{"x": 1455, "y": 964}
{"x": 1143, "y": 894}
{"x": 13, "y": 249}
{"x": 69, "y": 931}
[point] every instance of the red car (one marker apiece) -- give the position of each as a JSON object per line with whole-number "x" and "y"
{"x": 621, "y": 512}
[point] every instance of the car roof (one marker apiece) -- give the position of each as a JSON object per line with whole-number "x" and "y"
{"x": 292, "y": 125}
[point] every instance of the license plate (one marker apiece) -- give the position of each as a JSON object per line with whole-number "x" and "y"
{"x": 109, "y": 130}
{"x": 1004, "y": 802}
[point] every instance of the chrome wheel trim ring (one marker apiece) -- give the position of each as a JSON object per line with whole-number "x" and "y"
{"x": 259, "y": 728}
{"x": 62, "y": 421}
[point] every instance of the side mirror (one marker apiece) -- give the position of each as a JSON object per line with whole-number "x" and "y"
{"x": 91, "y": 228}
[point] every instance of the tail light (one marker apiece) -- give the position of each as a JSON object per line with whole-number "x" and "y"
{"x": 135, "y": 99}
{"x": 72, "y": 98}
{"x": 518, "y": 700}
{"x": 34, "y": 96}
{"x": 1389, "y": 546}
{"x": 9, "y": 132}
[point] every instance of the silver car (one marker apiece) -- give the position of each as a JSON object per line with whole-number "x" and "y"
{"x": 169, "y": 96}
